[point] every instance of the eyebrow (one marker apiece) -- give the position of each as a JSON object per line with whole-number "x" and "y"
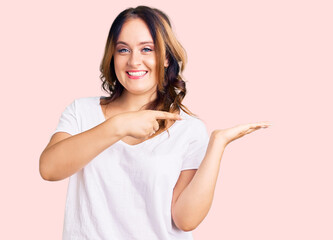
{"x": 141, "y": 43}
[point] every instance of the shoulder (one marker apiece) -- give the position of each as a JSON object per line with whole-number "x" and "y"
{"x": 194, "y": 124}
{"x": 83, "y": 105}
{"x": 192, "y": 120}
{"x": 87, "y": 100}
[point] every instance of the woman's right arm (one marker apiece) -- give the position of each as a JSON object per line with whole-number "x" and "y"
{"x": 66, "y": 154}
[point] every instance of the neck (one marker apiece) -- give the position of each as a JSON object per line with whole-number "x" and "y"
{"x": 132, "y": 102}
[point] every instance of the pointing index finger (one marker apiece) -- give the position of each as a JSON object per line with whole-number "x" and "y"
{"x": 167, "y": 115}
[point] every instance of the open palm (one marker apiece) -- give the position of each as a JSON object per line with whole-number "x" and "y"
{"x": 230, "y": 134}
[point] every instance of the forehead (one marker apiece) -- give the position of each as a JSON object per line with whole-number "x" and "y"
{"x": 134, "y": 31}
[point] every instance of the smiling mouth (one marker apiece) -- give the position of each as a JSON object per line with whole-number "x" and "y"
{"x": 136, "y": 74}
{"x": 139, "y": 73}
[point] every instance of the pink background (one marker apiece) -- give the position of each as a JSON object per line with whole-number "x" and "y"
{"x": 248, "y": 61}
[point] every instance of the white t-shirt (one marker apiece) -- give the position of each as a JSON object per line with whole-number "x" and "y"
{"x": 126, "y": 192}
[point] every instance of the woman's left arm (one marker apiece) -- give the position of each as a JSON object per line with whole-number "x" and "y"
{"x": 192, "y": 202}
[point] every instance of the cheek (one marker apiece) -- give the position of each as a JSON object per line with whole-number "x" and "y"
{"x": 119, "y": 62}
{"x": 151, "y": 63}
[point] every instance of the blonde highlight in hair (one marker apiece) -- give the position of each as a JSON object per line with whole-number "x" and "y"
{"x": 161, "y": 56}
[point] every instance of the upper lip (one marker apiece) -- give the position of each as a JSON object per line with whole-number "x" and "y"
{"x": 136, "y": 71}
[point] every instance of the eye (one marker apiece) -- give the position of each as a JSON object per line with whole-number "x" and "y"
{"x": 147, "y": 49}
{"x": 123, "y": 50}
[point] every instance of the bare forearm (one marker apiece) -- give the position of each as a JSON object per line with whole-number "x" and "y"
{"x": 194, "y": 202}
{"x": 68, "y": 156}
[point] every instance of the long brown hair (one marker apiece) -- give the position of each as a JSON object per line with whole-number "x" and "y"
{"x": 171, "y": 88}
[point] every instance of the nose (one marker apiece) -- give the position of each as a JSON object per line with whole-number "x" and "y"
{"x": 135, "y": 59}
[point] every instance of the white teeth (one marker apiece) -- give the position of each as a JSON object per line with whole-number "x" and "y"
{"x": 137, "y": 73}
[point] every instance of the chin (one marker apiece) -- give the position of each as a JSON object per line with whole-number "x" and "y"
{"x": 141, "y": 91}
{"x": 137, "y": 91}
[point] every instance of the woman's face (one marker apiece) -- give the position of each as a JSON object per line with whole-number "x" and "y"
{"x": 135, "y": 58}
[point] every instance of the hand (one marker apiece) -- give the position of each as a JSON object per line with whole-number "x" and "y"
{"x": 230, "y": 134}
{"x": 141, "y": 124}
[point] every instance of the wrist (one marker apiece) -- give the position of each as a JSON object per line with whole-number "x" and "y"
{"x": 114, "y": 127}
{"x": 219, "y": 138}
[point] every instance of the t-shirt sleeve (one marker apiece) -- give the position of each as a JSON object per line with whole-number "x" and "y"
{"x": 197, "y": 147}
{"x": 68, "y": 121}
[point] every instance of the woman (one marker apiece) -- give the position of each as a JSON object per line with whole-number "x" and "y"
{"x": 141, "y": 166}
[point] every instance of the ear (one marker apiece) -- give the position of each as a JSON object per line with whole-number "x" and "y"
{"x": 166, "y": 63}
